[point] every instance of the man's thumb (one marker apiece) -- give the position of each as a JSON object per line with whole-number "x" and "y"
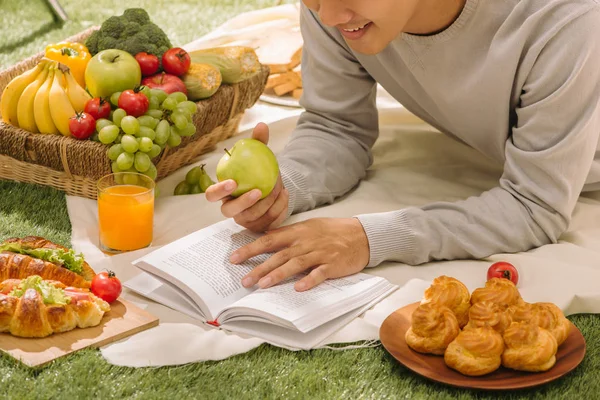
{"x": 261, "y": 132}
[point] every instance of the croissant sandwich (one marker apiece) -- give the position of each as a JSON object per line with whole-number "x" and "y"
{"x": 33, "y": 255}
{"x": 36, "y": 308}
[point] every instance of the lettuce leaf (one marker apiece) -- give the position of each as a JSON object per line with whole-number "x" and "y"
{"x": 50, "y": 293}
{"x": 67, "y": 259}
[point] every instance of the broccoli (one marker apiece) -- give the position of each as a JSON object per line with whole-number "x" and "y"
{"x": 132, "y": 32}
{"x": 138, "y": 15}
{"x": 113, "y": 27}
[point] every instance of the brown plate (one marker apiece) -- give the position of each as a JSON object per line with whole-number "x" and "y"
{"x": 392, "y": 331}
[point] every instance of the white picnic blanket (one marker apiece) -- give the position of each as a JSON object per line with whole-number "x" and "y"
{"x": 566, "y": 273}
{"x": 414, "y": 165}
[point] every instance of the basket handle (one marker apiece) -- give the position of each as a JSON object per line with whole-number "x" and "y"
{"x": 234, "y": 104}
{"x": 63, "y": 157}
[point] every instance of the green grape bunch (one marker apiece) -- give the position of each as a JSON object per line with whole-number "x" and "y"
{"x": 196, "y": 181}
{"x": 134, "y": 142}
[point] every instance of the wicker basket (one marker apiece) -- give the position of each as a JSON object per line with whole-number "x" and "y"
{"x": 74, "y": 166}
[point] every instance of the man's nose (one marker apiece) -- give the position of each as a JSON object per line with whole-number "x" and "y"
{"x": 333, "y": 12}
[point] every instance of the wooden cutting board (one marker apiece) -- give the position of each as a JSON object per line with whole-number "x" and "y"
{"x": 123, "y": 320}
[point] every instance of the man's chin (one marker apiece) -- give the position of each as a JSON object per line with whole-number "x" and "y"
{"x": 366, "y": 48}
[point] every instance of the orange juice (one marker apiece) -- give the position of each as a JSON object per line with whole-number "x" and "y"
{"x": 125, "y": 217}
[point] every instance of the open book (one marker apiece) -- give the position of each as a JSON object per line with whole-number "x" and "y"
{"x": 193, "y": 275}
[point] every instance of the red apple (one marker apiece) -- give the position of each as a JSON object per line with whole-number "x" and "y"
{"x": 166, "y": 82}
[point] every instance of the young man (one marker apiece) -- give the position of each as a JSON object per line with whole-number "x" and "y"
{"x": 518, "y": 80}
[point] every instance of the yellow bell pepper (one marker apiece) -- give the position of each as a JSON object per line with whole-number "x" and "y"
{"x": 74, "y": 55}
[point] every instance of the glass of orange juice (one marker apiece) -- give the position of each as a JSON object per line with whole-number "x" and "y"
{"x": 125, "y": 211}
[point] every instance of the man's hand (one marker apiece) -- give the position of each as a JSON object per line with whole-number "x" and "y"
{"x": 247, "y": 210}
{"x": 328, "y": 247}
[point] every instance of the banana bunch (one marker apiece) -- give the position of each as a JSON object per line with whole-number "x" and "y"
{"x": 43, "y": 99}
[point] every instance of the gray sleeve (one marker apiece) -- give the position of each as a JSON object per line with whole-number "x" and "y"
{"x": 548, "y": 157}
{"x": 330, "y": 148}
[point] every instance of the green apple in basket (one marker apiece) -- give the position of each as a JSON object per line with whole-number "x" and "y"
{"x": 111, "y": 71}
{"x": 252, "y": 165}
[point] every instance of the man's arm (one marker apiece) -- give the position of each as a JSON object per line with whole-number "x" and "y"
{"x": 330, "y": 149}
{"x": 548, "y": 157}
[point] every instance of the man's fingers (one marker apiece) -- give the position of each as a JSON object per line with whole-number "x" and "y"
{"x": 262, "y": 245}
{"x": 279, "y": 210}
{"x": 275, "y": 261}
{"x": 292, "y": 267}
{"x": 275, "y": 214}
{"x": 261, "y": 132}
{"x": 316, "y": 277}
{"x": 259, "y": 209}
{"x": 233, "y": 207}
{"x": 220, "y": 190}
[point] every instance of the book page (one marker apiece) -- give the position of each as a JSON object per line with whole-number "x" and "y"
{"x": 200, "y": 262}
{"x": 291, "y": 339}
{"x": 165, "y": 293}
{"x": 284, "y": 302}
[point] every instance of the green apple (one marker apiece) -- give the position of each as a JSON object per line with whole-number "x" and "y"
{"x": 110, "y": 71}
{"x": 252, "y": 165}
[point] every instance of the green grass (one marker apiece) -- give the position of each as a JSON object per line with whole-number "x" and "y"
{"x": 26, "y": 27}
{"x": 33, "y": 210}
{"x": 266, "y": 372}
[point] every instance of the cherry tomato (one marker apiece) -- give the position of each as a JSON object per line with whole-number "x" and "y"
{"x": 148, "y": 63}
{"x": 134, "y": 102}
{"x": 505, "y": 270}
{"x": 97, "y": 108}
{"x": 106, "y": 286}
{"x": 82, "y": 125}
{"x": 176, "y": 61}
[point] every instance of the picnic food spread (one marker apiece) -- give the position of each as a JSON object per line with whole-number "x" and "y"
{"x": 501, "y": 329}
{"x": 46, "y": 288}
{"x": 126, "y": 87}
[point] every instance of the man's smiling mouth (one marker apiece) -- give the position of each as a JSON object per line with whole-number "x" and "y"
{"x": 357, "y": 28}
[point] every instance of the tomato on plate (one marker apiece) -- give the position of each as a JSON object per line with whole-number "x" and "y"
{"x": 134, "y": 102}
{"x": 82, "y": 125}
{"x": 97, "y": 108}
{"x": 176, "y": 61}
{"x": 106, "y": 286}
{"x": 503, "y": 269}
{"x": 148, "y": 63}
